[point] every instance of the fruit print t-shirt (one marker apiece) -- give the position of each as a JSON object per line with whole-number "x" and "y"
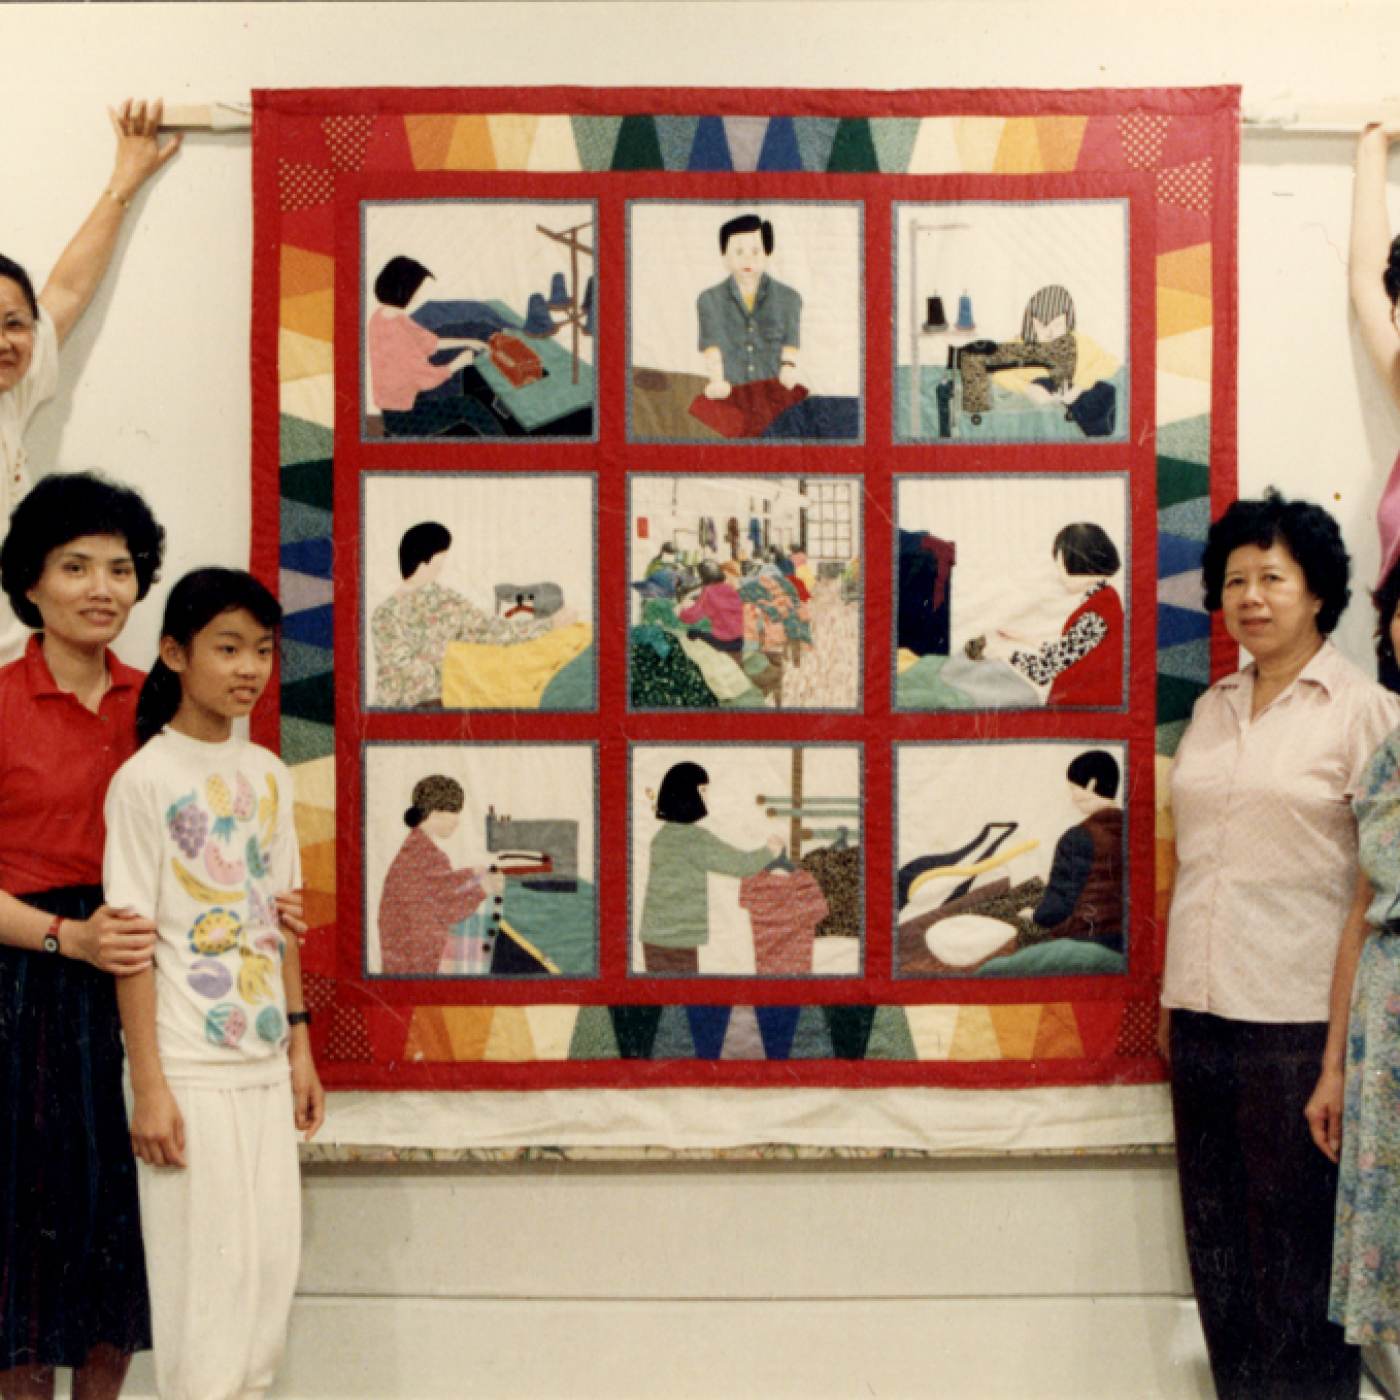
{"x": 200, "y": 838}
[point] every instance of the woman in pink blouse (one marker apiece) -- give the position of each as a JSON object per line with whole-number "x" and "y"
{"x": 401, "y": 357}
{"x": 1267, "y": 876}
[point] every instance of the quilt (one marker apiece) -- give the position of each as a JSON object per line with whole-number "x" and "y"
{"x": 740, "y": 552}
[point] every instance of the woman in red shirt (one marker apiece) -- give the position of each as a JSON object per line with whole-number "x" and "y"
{"x": 423, "y": 895}
{"x": 80, "y": 552}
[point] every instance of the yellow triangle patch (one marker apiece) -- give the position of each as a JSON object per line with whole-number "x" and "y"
{"x": 300, "y": 357}
{"x": 1018, "y": 152}
{"x": 512, "y": 135}
{"x": 1060, "y": 140}
{"x": 314, "y": 824}
{"x": 303, "y": 271}
{"x": 1015, "y": 1028}
{"x": 312, "y": 313}
{"x": 1187, "y": 354}
{"x": 1186, "y": 270}
{"x": 1178, "y": 312}
{"x": 1057, "y": 1037}
{"x": 979, "y": 139}
{"x": 510, "y": 1038}
{"x": 975, "y": 1037}
{"x": 471, "y": 147}
{"x": 429, "y": 139}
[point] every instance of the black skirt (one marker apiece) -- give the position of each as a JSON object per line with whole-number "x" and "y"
{"x": 72, "y": 1272}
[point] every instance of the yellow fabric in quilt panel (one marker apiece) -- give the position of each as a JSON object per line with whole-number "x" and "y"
{"x": 1092, "y": 363}
{"x": 904, "y": 659}
{"x": 484, "y": 676}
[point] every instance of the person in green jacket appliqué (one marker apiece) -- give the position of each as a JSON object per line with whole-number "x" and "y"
{"x": 675, "y": 910}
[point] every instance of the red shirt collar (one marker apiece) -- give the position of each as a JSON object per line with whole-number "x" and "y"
{"x": 41, "y": 682}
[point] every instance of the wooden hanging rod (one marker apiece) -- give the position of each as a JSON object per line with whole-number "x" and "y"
{"x": 1283, "y": 118}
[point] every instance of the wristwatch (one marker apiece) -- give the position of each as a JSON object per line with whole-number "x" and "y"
{"x": 51, "y": 937}
{"x": 298, "y": 1018}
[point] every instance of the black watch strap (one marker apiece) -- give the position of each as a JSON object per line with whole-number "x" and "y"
{"x": 298, "y": 1018}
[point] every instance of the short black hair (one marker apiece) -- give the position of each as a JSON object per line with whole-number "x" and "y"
{"x": 1086, "y": 548}
{"x": 1099, "y": 767}
{"x": 398, "y": 279}
{"x": 66, "y": 506}
{"x": 1304, "y": 528}
{"x": 679, "y": 799}
{"x": 421, "y": 543}
{"x": 11, "y": 269}
{"x": 711, "y": 572}
{"x": 746, "y": 223}
{"x": 1387, "y": 598}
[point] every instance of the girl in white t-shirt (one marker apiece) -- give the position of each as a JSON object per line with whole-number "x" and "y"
{"x": 200, "y": 838}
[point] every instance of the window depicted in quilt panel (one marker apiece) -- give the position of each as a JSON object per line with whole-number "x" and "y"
{"x": 1012, "y": 592}
{"x": 478, "y": 592}
{"x": 1011, "y": 318}
{"x": 744, "y": 592}
{"x": 740, "y": 553}
{"x": 745, "y": 322}
{"x": 478, "y": 319}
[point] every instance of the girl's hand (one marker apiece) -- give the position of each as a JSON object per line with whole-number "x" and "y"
{"x": 1324, "y": 1113}
{"x": 157, "y": 1128}
{"x": 139, "y": 153}
{"x": 308, "y": 1097}
{"x": 1164, "y": 1034}
{"x": 291, "y": 912}
{"x": 118, "y": 941}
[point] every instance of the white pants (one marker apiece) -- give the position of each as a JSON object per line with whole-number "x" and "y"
{"x": 223, "y": 1242}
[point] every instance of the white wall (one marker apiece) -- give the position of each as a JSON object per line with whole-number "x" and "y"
{"x": 957, "y": 1278}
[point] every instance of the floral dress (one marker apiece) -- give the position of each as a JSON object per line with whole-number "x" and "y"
{"x": 1366, "y": 1254}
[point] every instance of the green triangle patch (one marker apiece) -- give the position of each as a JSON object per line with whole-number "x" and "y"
{"x": 811, "y": 1040}
{"x": 635, "y": 1028}
{"x": 673, "y": 1040}
{"x": 815, "y": 136}
{"x": 300, "y": 441}
{"x": 1169, "y": 737}
{"x": 596, "y": 139}
{"x": 889, "y": 1036}
{"x": 1188, "y": 440}
{"x": 312, "y": 698}
{"x": 853, "y": 149}
{"x": 1175, "y": 698}
{"x": 894, "y": 139}
{"x": 593, "y": 1037}
{"x": 1179, "y": 480}
{"x": 638, "y": 147}
{"x": 675, "y": 136}
{"x": 304, "y": 741}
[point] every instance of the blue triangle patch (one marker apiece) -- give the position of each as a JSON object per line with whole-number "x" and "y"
{"x": 315, "y": 627}
{"x": 1176, "y": 555}
{"x": 708, "y": 1025}
{"x": 1178, "y": 625}
{"x": 777, "y": 1025}
{"x": 711, "y": 148}
{"x": 780, "y": 149}
{"x": 313, "y": 557}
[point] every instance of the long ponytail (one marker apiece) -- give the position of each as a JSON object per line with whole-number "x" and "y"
{"x": 158, "y": 702}
{"x": 194, "y": 602}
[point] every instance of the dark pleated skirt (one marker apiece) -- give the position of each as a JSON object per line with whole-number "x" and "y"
{"x": 72, "y": 1273}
